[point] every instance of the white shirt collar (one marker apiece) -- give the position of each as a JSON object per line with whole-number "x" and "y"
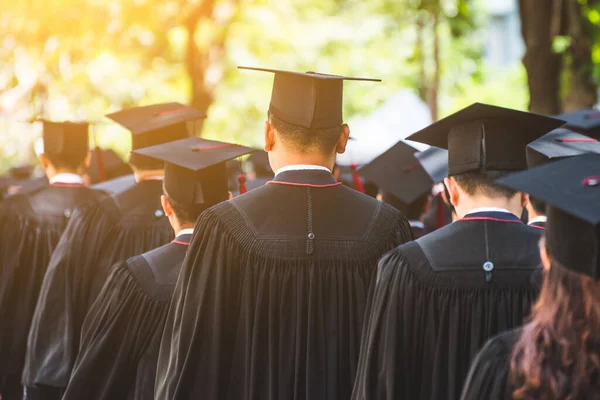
{"x": 187, "y": 231}
{"x": 300, "y": 167}
{"x": 541, "y": 218}
{"x": 66, "y": 178}
{"x": 488, "y": 209}
{"x": 416, "y": 224}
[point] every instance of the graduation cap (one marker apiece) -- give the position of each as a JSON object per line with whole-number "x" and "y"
{"x": 310, "y": 100}
{"x": 156, "y": 124}
{"x": 260, "y": 163}
{"x": 558, "y": 144}
{"x": 111, "y": 163}
{"x": 399, "y": 172}
{"x": 586, "y": 122}
{"x": 571, "y": 188}
{"x": 66, "y": 138}
{"x": 486, "y": 138}
{"x": 195, "y": 169}
{"x": 435, "y": 161}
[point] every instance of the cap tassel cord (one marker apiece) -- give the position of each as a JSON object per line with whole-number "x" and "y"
{"x": 357, "y": 182}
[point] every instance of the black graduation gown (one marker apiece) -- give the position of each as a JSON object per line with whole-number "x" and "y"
{"x": 417, "y": 228}
{"x": 97, "y": 236}
{"x": 30, "y": 228}
{"x": 271, "y": 296}
{"x": 433, "y": 305}
{"x": 121, "y": 334}
{"x": 490, "y": 372}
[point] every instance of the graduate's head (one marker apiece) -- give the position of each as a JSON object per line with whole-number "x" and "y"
{"x": 154, "y": 125}
{"x": 65, "y": 148}
{"x": 305, "y": 124}
{"x": 413, "y": 211}
{"x": 195, "y": 175}
{"x": 536, "y": 206}
{"x": 484, "y": 143}
{"x": 288, "y": 143}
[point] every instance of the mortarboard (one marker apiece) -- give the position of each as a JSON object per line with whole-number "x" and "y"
{"x": 558, "y": 144}
{"x": 571, "y": 188}
{"x": 309, "y": 100}
{"x": 586, "y": 122}
{"x": 195, "y": 169}
{"x": 260, "y": 163}
{"x": 435, "y": 161}
{"x": 156, "y": 124}
{"x": 113, "y": 165}
{"x": 399, "y": 172}
{"x": 486, "y": 138}
{"x": 66, "y": 138}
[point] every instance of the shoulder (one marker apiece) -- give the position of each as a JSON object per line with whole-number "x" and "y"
{"x": 500, "y": 346}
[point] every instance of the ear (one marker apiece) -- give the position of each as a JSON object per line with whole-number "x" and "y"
{"x": 229, "y": 195}
{"x": 166, "y": 206}
{"x": 343, "y": 140}
{"x": 44, "y": 161}
{"x": 88, "y": 159}
{"x": 452, "y": 190}
{"x": 269, "y": 136}
{"x": 524, "y": 200}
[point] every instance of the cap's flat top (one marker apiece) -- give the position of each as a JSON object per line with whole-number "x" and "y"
{"x": 534, "y": 125}
{"x": 67, "y": 123}
{"x": 310, "y": 74}
{"x": 194, "y": 153}
{"x": 572, "y": 185}
{"x": 149, "y": 118}
{"x": 582, "y": 119}
{"x": 564, "y": 143}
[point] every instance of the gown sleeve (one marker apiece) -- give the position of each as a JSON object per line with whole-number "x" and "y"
{"x": 62, "y": 304}
{"x": 204, "y": 289}
{"x": 121, "y": 323}
{"x": 489, "y": 374}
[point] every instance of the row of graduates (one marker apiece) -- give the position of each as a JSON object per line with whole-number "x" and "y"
{"x": 283, "y": 292}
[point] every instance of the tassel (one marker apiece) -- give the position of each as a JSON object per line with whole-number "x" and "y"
{"x": 440, "y": 215}
{"x": 242, "y": 183}
{"x": 357, "y": 182}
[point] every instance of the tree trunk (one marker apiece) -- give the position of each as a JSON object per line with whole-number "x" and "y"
{"x": 432, "y": 96}
{"x": 582, "y": 88}
{"x": 542, "y": 64}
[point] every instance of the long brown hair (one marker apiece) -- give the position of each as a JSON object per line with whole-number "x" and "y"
{"x": 558, "y": 353}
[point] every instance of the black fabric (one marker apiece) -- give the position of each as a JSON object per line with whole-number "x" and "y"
{"x": 30, "y": 228}
{"x": 266, "y": 310}
{"x": 538, "y": 224}
{"x": 121, "y": 334}
{"x": 490, "y": 372}
{"x": 433, "y": 306}
{"x": 66, "y": 139}
{"x": 43, "y": 392}
{"x": 98, "y": 235}
{"x": 11, "y": 388}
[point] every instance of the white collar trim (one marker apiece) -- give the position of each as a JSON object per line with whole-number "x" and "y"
{"x": 301, "y": 167}
{"x": 541, "y": 218}
{"x": 187, "y": 231}
{"x": 488, "y": 209}
{"x": 66, "y": 178}
{"x": 416, "y": 224}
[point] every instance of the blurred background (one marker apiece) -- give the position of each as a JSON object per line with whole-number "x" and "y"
{"x": 81, "y": 59}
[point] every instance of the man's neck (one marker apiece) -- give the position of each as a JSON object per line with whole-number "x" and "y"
{"x": 144, "y": 175}
{"x": 177, "y": 227}
{"x": 302, "y": 159}
{"x": 467, "y": 205}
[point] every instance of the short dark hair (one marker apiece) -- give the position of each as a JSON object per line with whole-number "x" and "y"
{"x": 186, "y": 214}
{"x": 412, "y": 211}
{"x": 70, "y": 161}
{"x": 538, "y": 205}
{"x": 304, "y": 139}
{"x": 483, "y": 182}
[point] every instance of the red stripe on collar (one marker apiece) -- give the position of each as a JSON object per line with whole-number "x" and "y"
{"x": 304, "y": 184}
{"x": 180, "y": 242}
{"x": 537, "y": 227}
{"x": 490, "y": 219}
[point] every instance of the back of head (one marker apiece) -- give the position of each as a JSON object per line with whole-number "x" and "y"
{"x": 412, "y": 211}
{"x": 66, "y": 144}
{"x": 482, "y": 183}
{"x": 306, "y": 140}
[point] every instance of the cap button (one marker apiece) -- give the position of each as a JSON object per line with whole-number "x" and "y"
{"x": 488, "y": 266}
{"x": 159, "y": 213}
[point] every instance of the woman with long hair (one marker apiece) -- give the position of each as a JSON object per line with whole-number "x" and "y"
{"x": 556, "y": 355}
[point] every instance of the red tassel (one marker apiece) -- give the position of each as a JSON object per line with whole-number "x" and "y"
{"x": 358, "y": 185}
{"x": 242, "y": 183}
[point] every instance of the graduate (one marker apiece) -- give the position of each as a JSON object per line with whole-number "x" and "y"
{"x": 271, "y": 296}
{"x": 121, "y": 333}
{"x": 437, "y": 299}
{"x": 30, "y": 227}
{"x": 555, "y": 355}
{"x": 404, "y": 181}
{"x": 97, "y": 236}
{"x": 556, "y": 145}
